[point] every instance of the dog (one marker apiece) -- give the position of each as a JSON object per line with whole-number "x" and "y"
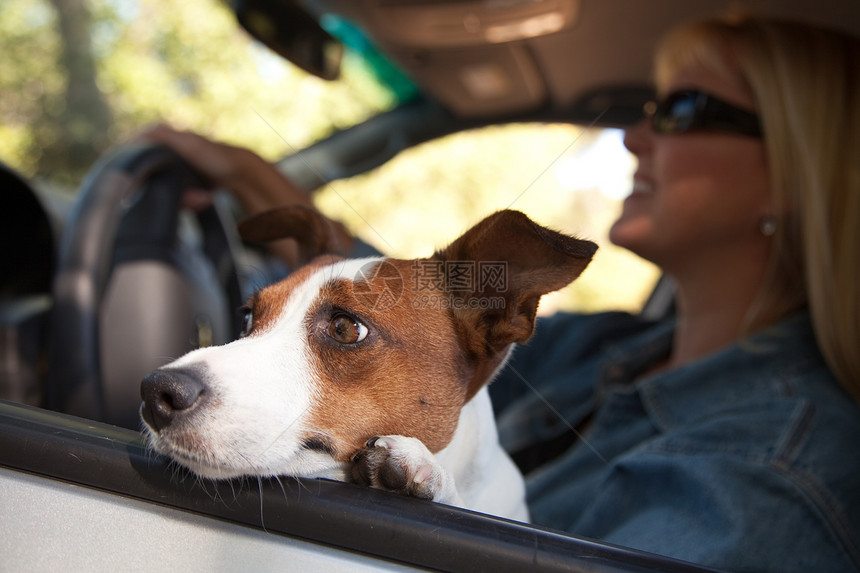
{"x": 372, "y": 371}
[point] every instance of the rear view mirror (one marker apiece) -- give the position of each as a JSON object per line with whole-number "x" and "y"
{"x": 291, "y": 32}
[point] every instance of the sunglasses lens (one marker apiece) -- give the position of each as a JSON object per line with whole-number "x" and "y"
{"x": 676, "y": 114}
{"x": 684, "y": 111}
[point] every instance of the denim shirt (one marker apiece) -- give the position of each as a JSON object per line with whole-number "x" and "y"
{"x": 746, "y": 460}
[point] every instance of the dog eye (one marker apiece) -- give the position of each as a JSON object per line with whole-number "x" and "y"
{"x": 346, "y": 329}
{"x": 247, "y": 321}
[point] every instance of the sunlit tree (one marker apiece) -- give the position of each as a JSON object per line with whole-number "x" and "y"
{"x": 81, "y": 75}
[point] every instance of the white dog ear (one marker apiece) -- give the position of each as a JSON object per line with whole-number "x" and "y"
{"x": 520, "y": 261}
{"x": 314, "y": 233}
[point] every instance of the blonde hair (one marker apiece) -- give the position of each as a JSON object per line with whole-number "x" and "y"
{"x": 805, "y": 81}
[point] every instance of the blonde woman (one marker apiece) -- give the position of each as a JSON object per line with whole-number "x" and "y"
{"x": 727, "y": 435}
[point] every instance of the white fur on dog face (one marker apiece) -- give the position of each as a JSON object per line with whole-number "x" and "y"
{"x": 260, "y": 390}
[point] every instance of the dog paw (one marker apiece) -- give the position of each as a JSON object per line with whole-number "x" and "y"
{"x": 403, "y": 465}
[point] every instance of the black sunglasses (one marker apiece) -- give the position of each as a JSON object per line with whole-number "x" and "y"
{"x": 692, "y": 110}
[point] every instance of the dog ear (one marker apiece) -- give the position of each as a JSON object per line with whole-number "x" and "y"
{"x": 313, "y": 233}
{"x": 515, "y": 262}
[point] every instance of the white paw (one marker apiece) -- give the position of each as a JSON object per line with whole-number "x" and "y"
{"x": 403, "y": 465}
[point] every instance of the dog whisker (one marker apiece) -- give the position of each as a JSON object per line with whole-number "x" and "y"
{"x": 262, "y": 518}
{"x": 301, "y": 485}
{"x": 254, "y": 468}
{"x": 233, "y": 488}
{"x": 281, "y": 484}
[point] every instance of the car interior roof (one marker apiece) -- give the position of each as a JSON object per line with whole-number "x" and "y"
{"x": 478, "y": 59}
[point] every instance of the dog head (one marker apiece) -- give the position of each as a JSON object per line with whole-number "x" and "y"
{"x": 344, "y": 350}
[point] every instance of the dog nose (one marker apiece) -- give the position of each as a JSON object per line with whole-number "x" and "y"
{"x": 167, "y": 394}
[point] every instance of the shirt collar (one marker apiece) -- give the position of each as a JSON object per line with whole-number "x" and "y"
{"x": 763, "y": 361}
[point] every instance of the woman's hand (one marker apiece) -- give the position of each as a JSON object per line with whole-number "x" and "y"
{"x": 256, "y": 183}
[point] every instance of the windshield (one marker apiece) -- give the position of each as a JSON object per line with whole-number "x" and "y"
{"x": 80, "y": 77}
{"x": 568, "y": 177}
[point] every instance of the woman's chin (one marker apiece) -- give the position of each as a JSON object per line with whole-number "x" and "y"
{"x": 629, "y": 232}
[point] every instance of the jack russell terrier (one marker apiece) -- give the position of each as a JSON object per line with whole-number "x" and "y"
{"x": 370, "y": 370}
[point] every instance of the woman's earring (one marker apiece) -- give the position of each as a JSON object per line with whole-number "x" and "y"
{"x": 767, "y": 225}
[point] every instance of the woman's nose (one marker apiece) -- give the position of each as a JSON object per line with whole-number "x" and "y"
{"x": 638, "y": 138}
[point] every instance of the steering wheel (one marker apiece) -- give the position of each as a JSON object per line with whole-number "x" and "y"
{"x": 139, "y": 282}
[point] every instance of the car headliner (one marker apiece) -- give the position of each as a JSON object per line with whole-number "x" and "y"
{"x": 603, "y": 47}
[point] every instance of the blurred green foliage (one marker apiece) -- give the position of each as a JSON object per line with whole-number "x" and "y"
{"x": 187, "y": 63}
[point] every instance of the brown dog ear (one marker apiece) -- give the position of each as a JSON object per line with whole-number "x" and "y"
{"x": 314, "y": 233}
{"x": 515, "y": 262}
